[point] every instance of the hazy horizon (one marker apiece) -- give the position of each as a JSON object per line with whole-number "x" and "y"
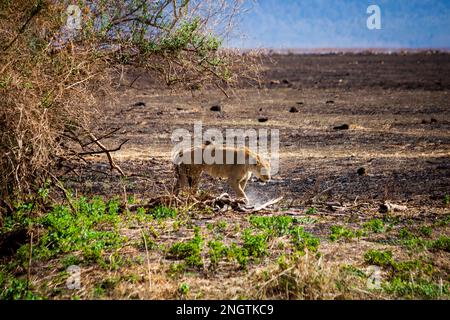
{"x": 327, "y": 24}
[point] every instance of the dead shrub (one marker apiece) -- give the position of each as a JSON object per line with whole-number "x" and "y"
{"x": 307, "y": 278}
{"x": 50, "y": 77}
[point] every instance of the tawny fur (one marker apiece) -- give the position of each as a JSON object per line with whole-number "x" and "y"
{"x": 237, "y": 173}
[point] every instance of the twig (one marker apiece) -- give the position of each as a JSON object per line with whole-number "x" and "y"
{"x": 148, "y": 262}
{"x": 103, "y": 137}
{"x": 30, "y": 254}
{"x": 105, "y": 150}
{"x": 36, "y": 8}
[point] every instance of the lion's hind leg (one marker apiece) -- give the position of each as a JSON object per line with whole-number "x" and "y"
{"x": 236, "y": 186}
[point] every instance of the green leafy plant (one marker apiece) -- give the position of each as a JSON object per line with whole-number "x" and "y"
{"x": 162, "y": 212}
{"x": 303, "y": 240}
{"x": 190, "y": 250}
{"x": 442, "y": 243}
{"x": 183, "y": 289}
{"x": 277, "y": 225}
{"x": 217, "y": 251}
{"x": 375, "y": 225}
{"x": 379, "y": 258}
{"x": 311, "y": 210}
{"x": 420, "y": 288}
{"x": 91, "y": 230}
{"x": 339, "y": 232}
{"x": 255, "y": 243}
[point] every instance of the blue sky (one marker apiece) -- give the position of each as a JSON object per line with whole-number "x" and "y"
{"x": 342, "y": 24}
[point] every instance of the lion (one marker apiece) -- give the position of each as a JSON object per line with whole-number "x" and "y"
{"x": 236, "y": 165}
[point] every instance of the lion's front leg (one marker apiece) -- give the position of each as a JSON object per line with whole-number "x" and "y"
{"x": 235, "y": 185}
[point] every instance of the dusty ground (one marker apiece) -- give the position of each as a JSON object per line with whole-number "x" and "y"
{"x": 397, "y": 107}
{"x": 398, "y": 111}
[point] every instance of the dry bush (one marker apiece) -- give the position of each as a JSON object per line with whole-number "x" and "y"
{"x": 307, "y": 278}
{"x": 50, "y": 76}
{"x": 44, "y": 93}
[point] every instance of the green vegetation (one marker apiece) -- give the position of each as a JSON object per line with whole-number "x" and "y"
{"x": 375, "y": 225}
{"x": 12, "y": 288}
{"x": 446, "y": 200}
{"x": 340, "y": 232}
{"x": 87, "y": 232}
{"x": 183, "y": 289}
{"x": 190, "y": 250}
{"x": 90, "y": 229}
{"x": 278, "y": 225}
{"x": 442, "y": 243}
{"x": 379, "y": 258}
{"x": 303, "y": 240}
{"x": 410, "y": 279}
{"x": 255, "y": 243}
{"x": 217, "y": 251}
{"x": 162, "y": 212}
{"x": 418, "y": 289}
{"x": 311, "y": 210}
{"x": 426, "y": 231}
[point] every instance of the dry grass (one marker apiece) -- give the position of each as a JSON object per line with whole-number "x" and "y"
{"x": 51, "y": 82}
{"x": 46, "y": 94}
{"x": 307, "y": 278}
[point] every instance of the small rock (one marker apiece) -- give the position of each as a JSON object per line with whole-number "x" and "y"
{"x": 300, "y": 103}
{"x": 424, "y": 121}
{"x": 263, "y": 119}
{"x": 216, "y": 108}
{"x": 139, "y": 104}
{"x": 285, "y": 81}
{"x": 180, "y": 109}
{"x": 388, "y": 207}
{"x": 293, "y": 110}
{"x": 433, "y": 120}
{"x": 342, "y": 127}
{"x": 275, "y": 82}
{"x": 361, "y": 171}
{"x": 330, "y": 102}
{"x": 260, "y": 109}
{"x": 335, "y": 206}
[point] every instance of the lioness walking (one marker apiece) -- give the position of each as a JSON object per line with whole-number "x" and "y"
{"x": 236, "y": 165}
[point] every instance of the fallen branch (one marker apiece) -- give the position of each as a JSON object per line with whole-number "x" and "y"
{"x": 108, "y": 154}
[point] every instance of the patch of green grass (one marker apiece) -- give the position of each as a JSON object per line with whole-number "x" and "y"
{"x": 176, "y": 269}
{"x": 419, "y": 288}
{"x": 444, "y": 221}
{"x": 426, "y": 231}
{"x": 411, "y": 269}
{"x": 375, "y": 225}
{"x": 340, "y": 232}
{"x": 239, "y": 254}
{"x": 354, "y": 271}
{"x": 311, "y": 210}
{"x": 221, "y": 225}
{"x": 446, "y": 200}
{"x": 278, "y": 225}
{"x": 303, "y": 240}
{"x": 12, "y": 288}
{"x": 255, "y": 243}
{"x": 190, "y": 250}
{"x": 91, "y": 229}
{"x": 379, "y": 258}
{"x": 217, "y": 251}
{"x": 162, "y": 212}
{"x": 442, "y": 243}
{"x": 411, "y": 241}
{"x": 183, "y": 289}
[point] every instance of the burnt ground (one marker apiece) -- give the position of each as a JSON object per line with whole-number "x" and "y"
{"x": 397, "y": 108}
